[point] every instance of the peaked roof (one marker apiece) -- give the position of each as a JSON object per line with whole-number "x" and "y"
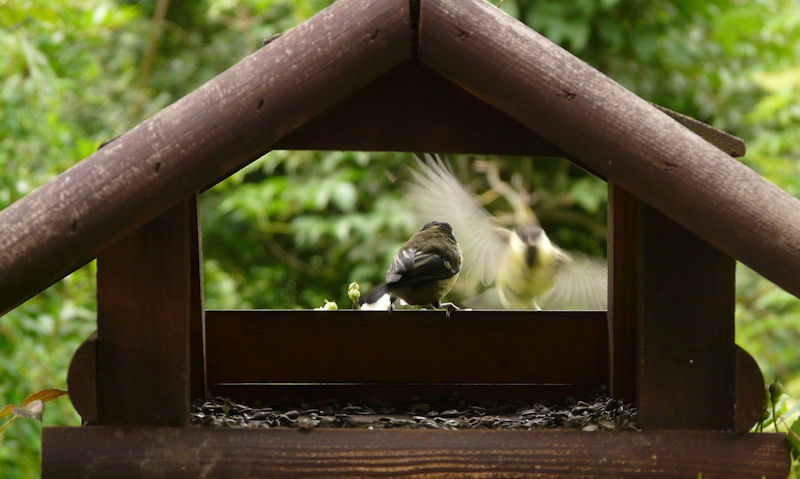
{"x": 529, "y": 94}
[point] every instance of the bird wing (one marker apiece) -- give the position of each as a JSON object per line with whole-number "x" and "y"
{"x": 581, "y": 284}
{"x": 437, "y": 195}
{"x": 412, "y": 265}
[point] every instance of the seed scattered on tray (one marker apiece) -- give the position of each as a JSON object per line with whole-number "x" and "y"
{"x": 597, "y": 413}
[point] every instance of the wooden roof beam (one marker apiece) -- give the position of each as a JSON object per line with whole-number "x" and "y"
{"x": 615, "y": 133}
{"x": 210, "y": 133}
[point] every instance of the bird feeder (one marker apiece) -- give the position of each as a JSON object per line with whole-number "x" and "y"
{"x": 447, "y": 76}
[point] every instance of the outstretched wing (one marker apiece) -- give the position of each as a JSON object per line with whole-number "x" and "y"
{"x": 581, "y": 284}
{"x": 436, "y": 194}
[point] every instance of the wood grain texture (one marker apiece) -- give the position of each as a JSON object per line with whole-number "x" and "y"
{"x": 414, "y": 109}
{"x": 616, "y": 133}
{"x": 205, "y": 136}
{"x": 82, "y": 380}
{"x": 299, "y": 392}
{"x": 622, "y": 240}
{"x": 686, "y": 351}
{"x": 143, "y": 316}
{"x": 406, "y": 347}
{"x": 100, "y": 452}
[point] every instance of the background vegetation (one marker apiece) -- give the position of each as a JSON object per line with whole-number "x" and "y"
{"x": 295, "y": 227}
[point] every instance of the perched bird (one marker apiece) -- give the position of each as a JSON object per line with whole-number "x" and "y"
{"x": 527, "y": 269}
{"x": 424, "y": 270}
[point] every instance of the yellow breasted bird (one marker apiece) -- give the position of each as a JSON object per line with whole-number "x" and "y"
{"x": 424, "y": 270}
{"x": 527, "y": 269}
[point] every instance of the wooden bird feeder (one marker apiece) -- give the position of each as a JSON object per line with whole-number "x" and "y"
{"x": 450, "y": 76}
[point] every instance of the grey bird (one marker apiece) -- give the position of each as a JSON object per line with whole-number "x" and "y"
{"x": 423, "y": 271}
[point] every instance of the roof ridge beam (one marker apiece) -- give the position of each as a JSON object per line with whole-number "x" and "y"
{"x": 203, "y": 137}
{"x": 614, "y": 132}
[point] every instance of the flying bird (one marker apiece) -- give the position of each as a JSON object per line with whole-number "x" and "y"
{"x": 422, "y": 272}
{"x": 528, "y": 270}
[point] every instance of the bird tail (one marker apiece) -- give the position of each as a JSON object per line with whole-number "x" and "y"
{"x": 376, "y": 298}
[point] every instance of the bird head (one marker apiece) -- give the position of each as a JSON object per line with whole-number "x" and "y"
{"x": 437, "y": 224}
{"x": 532, "y": 242}
{"x": 441, "y": 227}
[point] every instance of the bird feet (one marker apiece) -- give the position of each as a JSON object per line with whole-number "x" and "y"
{"x": 448, "y": 308}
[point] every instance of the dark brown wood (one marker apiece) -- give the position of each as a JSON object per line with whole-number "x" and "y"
{"x": 143, "y": 321}
{"x": 82, "y": 380}
{"x": 686, "y": 350}
{"x": 622, "y": 240}
{"x": 215, "y": 130}
{"x": 250, "y": 392}
{"x": 724, "y": 141}
{"x": 749, "y": 391}
{"x": 347, "y": 346}
{"x": 197, "y": 320}
{"x": 414, "y": 109}
{"x": 614, "y": 132}
{"x": 100, "y": 452}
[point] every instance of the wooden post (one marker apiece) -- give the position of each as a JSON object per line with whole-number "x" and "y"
{"x": 144, "y": 316}
{"x": 622, "y": 237}
{"x": 686, "y": 350}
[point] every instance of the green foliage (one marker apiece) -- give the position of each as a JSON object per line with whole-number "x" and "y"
{"x": 793, "y": 435}
{"x": 779, "y": 417}
{"x": 294, "y": 229}
{"x": 767, "y": 320}
{"x": 354, "y": 293}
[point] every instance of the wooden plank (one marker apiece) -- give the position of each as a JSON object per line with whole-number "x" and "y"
{"x": 143, "y": 315}
{"x": 215, "y": 130}
{"x": 686, "y": 350}
{"x": 100, "y": 452}
{"x": 250, "y": 392}
{"x": 348, "y": 346}
{"x": 197, "y": 319}
{"x": 414, "y": 109}
{"x": 622, "y": 238}
{"x": 621, "y": 136}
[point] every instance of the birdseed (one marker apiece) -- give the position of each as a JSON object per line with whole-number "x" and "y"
{"x": 597, "y": 413}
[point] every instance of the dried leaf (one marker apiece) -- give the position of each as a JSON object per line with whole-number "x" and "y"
{"x": 44, "y": 396}
{"x": 7, "y": 410}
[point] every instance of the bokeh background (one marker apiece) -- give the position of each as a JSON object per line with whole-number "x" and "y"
{"x": 294, "y": 228}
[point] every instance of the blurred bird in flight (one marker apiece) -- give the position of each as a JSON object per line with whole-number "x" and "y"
{"x": 527, "y": 269}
